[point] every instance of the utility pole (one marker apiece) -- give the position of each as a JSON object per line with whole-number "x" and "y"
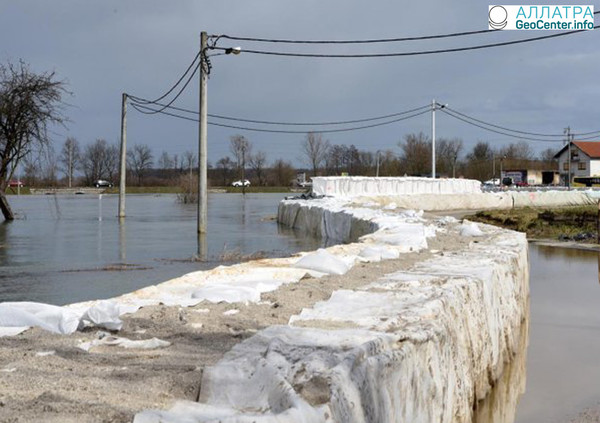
{"x": 70, "y": 163}
{"x": 568, "y": 132}
{"x": 433, "y": 107}
{"x": 377, "y": 156}
{"x": 123, "y": 156}
{"x": 202, "y": 141}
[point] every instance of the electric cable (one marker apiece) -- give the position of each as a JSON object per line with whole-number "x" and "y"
{"x": 449, "y": 113}
{"x": 368, "y": 41}
{"x": 409, "y": 53}
{"x": 268, "y": 122}
{"x": 165, "y": 106}
{"x": 145, "y": 108}
{"x": 176, "y": 83}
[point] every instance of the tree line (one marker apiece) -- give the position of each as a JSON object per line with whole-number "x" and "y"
{"x": 76, "y": 165}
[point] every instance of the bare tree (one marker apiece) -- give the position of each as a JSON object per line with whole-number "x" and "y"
{"x": 241, "y": 149}
{"x": 99, "y": 160}
{"x": 29, "y": 104}
{"x": 416, "y": 154}
{"x": 258, "y": 162}
{"x": 225, "y": 165}
{"x": 547, "y": 158}
{"x": 166, "y": 162}
{"x": 69, "y": 158}
{"x": 140, "y": 159}
{"x": 315, "y": 149}
{"x": 448, "y": 152}
{"x": 283, "y": 173}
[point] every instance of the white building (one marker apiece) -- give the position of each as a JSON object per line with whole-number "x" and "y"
{"x": 585, "y": 159}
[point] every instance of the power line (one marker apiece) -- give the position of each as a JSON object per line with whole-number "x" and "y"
{"x": 176, "y": 83}
{"x": 502, "y": 127}
{"x": 368, "y": 41}
{"x": 144, "y": 109}
{"x": 561, "y": 136}
{"x": 449, "y": 113}
{"x": 409, "y": 53}
{"x": 165, "y": 106}
{"x": 268, "y": 122}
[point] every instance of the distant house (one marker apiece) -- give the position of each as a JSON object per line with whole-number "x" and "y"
{"x": 585, "y": 160}
{"x": 530, "y": 177}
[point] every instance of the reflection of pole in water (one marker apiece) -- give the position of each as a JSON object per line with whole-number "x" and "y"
{"x": 122, "y": 241}
{"x": 202, "y": 247}
{"x": 598, "y": 266}
{"x": 100, "y": 207}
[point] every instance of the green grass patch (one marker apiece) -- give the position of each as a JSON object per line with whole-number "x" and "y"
{"x": 543, "y": 222}
{"x": 253, "y": 190}
{"x": 13, "y": 191}
{"x": 146, "y": 190}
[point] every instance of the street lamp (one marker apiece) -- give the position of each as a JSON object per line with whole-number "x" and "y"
{"x": 434, "y": 105}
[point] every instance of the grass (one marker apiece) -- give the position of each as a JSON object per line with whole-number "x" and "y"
{"x": 13, "y": 191}
{"x": 252, "y": 189}
{"x": 146, "y": 190}
{"x": 543, "y": 223}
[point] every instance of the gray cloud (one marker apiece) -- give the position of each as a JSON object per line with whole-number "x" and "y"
{"x": 141, "y": 47}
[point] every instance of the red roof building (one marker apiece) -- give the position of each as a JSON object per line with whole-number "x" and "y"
{"x": 585, "y": 159}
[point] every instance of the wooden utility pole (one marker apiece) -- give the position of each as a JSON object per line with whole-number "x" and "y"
{"x": 123, "y": 156}
{"x": 202, "y": 141}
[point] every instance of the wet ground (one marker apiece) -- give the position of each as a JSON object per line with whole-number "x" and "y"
{"x": 64, "y": 249}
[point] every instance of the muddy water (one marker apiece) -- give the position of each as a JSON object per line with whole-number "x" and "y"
{"x": 560, "y": 369}
{"x": 64, "y": 249}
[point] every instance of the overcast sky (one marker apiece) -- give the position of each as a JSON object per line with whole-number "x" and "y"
{"x": 104, "y": 48}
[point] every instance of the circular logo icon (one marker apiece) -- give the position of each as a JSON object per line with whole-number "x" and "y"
{"x": 498, "y": 17}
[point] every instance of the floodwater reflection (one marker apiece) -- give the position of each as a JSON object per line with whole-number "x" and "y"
{"x": 63, "y": 249}
{"x": 500, "y": 405}
{"x": 563, "y": 369}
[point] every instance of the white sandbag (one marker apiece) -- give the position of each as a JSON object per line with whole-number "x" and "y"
{"x": 104, "y": 314}
{"x": 45, "y": 316}
{"x": 115, "y": 341}
{"x": 323, "y": 261}
{"x": 378, "y": 253}
{"x": 470, "y": 229}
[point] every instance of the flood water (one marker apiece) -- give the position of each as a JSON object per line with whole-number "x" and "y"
{"x": 563, "y": 357}
{"x": 559, "y": 369}
{"x": 61, "y": 249}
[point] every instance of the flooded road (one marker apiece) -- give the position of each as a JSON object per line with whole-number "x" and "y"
{"x": 63, "y": 249}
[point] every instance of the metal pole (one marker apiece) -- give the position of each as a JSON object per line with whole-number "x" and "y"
{"x": 377, "y": 172}
{"x": 123, "y": 156}
{"x": 202, "y": 141}
{"x": 70, "y": 162}
{"x": 569, "y": 157}
{"x": 433, "y": 105}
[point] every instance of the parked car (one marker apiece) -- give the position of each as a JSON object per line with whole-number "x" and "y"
{"x": 494, "y": 182}
{"x": 241, "y": 183}
{"x": 522, "y": 184}
{"x": 101, "y": 183}
{"x": 15, "y": 184}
